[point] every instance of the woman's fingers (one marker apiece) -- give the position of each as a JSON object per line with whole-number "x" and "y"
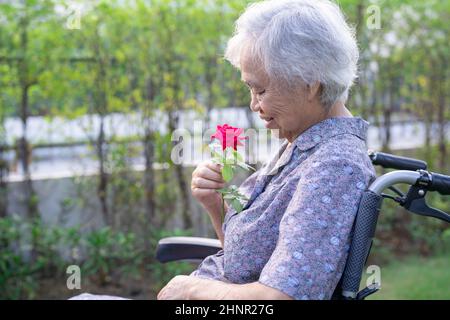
{"x": 209, "y": 174}
{"x": 206, "y": 179}
{"x": 204, "y": 193}
{"x": 215, "y": 167}
{"x": 202, "y": 183}
{"x": 209, "y": 171}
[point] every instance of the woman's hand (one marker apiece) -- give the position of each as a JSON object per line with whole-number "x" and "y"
{"x": 195, "y": 288}
{"x": 177, "y": 288}
{"x": 206, "y": 179}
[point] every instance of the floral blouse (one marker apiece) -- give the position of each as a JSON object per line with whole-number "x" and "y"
{"x": 294, "y": 233}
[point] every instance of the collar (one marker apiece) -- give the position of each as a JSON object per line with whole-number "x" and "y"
{"x": 314, "y": 135}
{"x": 331, "y": 127}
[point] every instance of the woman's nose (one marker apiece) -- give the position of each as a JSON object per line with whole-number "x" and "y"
{"x": 254, "y": 104}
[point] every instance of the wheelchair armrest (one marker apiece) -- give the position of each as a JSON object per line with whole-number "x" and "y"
{"x": 186, "y": 248}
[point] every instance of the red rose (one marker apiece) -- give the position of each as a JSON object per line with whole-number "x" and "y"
{"x": 229, "y": 136}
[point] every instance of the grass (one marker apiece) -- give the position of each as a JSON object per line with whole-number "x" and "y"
{"x": 415, "y": 278}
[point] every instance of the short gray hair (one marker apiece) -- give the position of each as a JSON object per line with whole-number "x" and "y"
{"x": 299, "y": 40}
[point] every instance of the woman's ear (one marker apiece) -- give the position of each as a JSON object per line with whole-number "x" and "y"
{"x": 313, "y": 90}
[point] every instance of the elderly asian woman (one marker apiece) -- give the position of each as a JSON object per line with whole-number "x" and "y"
{"x": 299, "y": 60}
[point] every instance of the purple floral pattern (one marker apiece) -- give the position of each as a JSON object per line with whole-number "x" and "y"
{"x": 294, "y": 233}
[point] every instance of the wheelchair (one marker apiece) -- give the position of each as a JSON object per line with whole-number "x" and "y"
{"x": 408, "y": 171}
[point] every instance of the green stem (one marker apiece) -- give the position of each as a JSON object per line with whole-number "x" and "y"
{"x": 223, "y": 209}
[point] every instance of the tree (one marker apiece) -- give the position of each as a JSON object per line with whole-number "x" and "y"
{"x": 22, "y": 40}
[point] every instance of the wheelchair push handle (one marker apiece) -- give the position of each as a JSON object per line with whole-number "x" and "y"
{"x": 390, "y": 161}
{"x": 440, "y": 183}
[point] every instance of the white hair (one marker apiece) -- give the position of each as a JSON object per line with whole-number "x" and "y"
{"x": 304, "y": 41}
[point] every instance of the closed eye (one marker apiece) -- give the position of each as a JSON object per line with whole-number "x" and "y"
{"x": 252, "y": 89}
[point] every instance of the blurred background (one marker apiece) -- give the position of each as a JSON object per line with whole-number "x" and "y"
{"x": 91, "y": 91}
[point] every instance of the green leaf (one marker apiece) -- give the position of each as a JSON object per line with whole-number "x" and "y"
{"x": 223, "y": 190}
{"x": 227, "y": 172}
{"x": 237, "y": 205}
{"x": 229, "y": 196}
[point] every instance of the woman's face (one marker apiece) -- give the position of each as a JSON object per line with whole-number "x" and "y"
{"x": 287, "y": 112}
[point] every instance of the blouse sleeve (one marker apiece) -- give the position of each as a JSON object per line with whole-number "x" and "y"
{"x": 314, "y": 231}
{"x": 211, "y": 268}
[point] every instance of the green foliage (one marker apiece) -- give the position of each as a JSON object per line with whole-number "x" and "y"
{"x": 103, "y": 255}
{"x": 415, "y": 278}
{"x": 16, "y": 275}
{"x": 24, "y": 259}
{"x": 111, "y": 252}
{"x": 121, "y": 51}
